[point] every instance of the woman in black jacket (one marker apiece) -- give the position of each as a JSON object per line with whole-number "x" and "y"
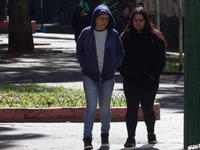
{"x": 143, "y": 63}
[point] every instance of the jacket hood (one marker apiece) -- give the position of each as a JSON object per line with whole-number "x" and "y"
{"x": 102, "y": 9}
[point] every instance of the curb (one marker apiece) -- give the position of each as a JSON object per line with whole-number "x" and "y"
{"x": 73, "y": 114}
{"x": 4, "y": 26}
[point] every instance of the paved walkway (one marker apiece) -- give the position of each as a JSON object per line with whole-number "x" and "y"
{"x": 56, "y": 69}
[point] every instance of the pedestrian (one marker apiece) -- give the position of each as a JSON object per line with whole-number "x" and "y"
{"x": 123, "y": 19}
{"x": 85, "y": 5}
{"x": 89, "y": 14}
{"x": 142, "y": 65}
{"x": 140, "y": 4}
{"x": 79, "y": 21}
{"x": 99, "y": 52}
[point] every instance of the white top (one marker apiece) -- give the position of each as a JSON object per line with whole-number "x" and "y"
{"x": 100, "y": 39}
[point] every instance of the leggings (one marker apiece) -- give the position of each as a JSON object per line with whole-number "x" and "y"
{"x": 136, "y": 93}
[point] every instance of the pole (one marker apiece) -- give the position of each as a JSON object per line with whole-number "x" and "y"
{"x": 180, "y": 35}
{"x": 192, "y": 73}
{"x": 158, "y": 14}
{"x": 41, "y": 9}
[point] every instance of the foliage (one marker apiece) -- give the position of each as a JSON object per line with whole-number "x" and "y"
{"x": 172, "y": 64}
{"x": 41, "y": 96}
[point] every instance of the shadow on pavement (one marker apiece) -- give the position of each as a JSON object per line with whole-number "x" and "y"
{"x": 6, "y": 140}
{"x": 5, "y": 137}
{"x": 3, "y": 129}
{"x": 104, "y": 148}
{"x": 171, "y": 99}
{"x": 52, "y": 37}
{"x": 39, "y": 68}
{"x": 144, "y": 147}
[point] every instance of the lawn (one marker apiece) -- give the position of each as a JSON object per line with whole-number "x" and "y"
{"x": 40, "y": 96}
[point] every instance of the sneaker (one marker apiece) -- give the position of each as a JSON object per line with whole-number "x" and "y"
{"x": 152, "y": 139}
{"x": 130, "y": 142}
{"x": 104, "y": 139}
{"x": 88, "y": 143}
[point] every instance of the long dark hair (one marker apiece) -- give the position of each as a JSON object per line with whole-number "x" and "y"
{"x": 149, "y": 27}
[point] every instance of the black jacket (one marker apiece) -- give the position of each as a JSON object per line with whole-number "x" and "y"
{"x": 144, "y": 58}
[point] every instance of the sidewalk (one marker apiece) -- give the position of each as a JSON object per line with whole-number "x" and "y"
{"x": 55, "y": 69}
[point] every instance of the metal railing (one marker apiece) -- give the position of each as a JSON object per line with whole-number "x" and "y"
{"x": 47, "y": 101}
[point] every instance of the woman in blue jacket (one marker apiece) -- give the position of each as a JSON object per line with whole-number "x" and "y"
{"x": 99, "y": 52}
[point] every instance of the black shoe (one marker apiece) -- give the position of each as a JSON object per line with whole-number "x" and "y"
{"x": 152, "y": 138}
{"x": 104, "y": 139}
{"x": 130, "y": 142}
{"x": 88, "y": 143}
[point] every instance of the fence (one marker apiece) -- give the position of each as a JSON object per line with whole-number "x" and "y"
{"x": 47, "y": 101}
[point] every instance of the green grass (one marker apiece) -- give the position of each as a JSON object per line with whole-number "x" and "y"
{"x": 172, "y": 64}
{"x": 40, "y": 96}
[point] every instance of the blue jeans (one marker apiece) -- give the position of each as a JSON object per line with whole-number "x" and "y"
{"x": 93, "y": 91}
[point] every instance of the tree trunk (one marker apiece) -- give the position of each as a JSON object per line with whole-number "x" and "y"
{"x": 20, "y": 31}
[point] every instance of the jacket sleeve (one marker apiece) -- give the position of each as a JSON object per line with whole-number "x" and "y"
{"x": 119, "y": 53}
{"x": 160, "y": 59}
{"x": 80, "y": 52}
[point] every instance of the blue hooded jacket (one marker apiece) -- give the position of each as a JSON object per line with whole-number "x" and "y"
{"x": 86, "y": 49}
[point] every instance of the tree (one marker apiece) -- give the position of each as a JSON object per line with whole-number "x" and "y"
{"x": 20, "y": 31}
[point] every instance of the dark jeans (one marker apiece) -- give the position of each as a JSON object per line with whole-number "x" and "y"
{"x": 145, "y": 94}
